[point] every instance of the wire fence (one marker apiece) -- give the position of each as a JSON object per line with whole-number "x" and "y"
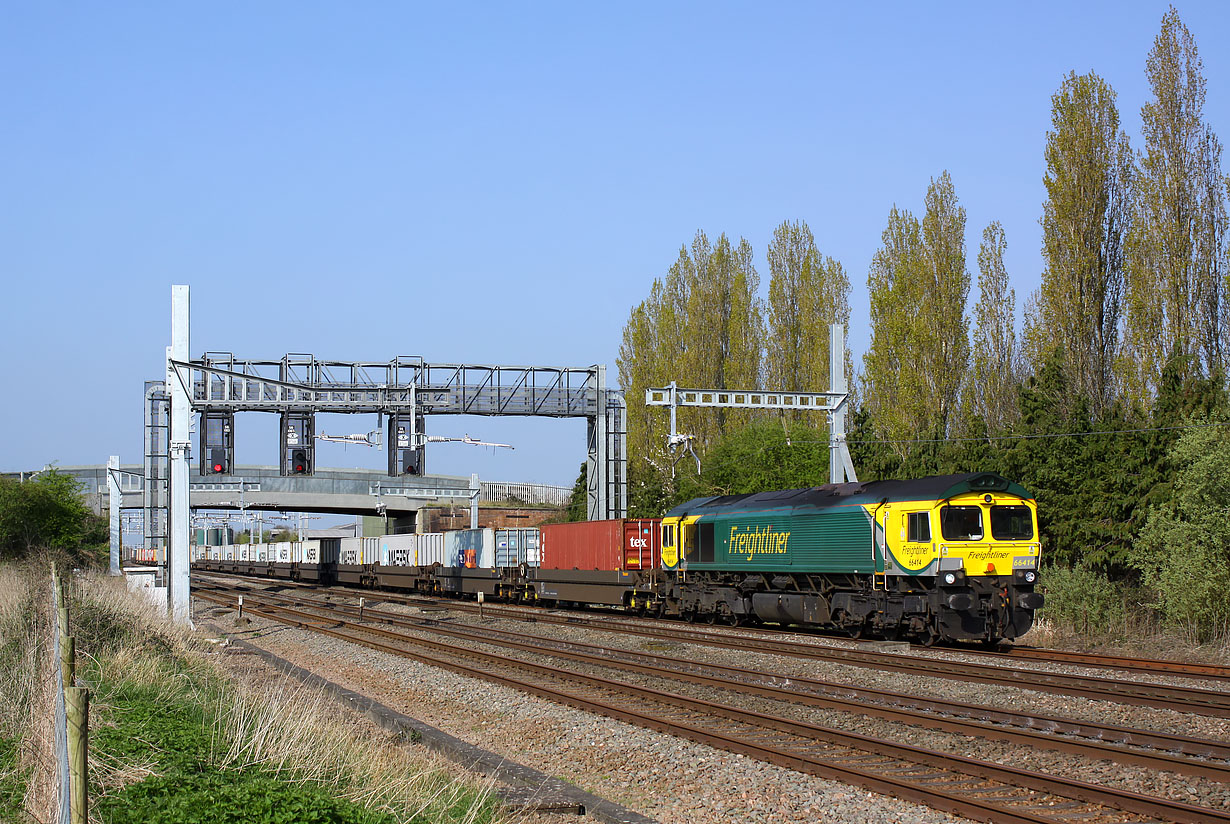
{"x": 61, "y": 720}
{"x": 72, "y": 719}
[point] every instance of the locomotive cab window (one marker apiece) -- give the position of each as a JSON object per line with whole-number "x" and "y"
{"x": 690, "y": 549}
{"x": 668, "y": 535}
{"x": 919, "y": 528}
{"x": 1011, "y": 523}
{"x": 961, "y": 523}
{"x": 706, "y": 543}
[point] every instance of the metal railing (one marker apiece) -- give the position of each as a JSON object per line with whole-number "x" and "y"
{"x": 537, "y": 494}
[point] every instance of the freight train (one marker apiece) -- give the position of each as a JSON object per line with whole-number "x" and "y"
{"x": 945, "y": 558}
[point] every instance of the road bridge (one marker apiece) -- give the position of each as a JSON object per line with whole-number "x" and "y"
{"x": 344, "y": 491}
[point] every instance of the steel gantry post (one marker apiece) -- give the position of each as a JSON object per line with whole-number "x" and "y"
{"x": 114, "y": 494}
{"x": 841, "y": 468}
{"x": 596, "y": 489}
{"x": 181, "y": 409}
{"x": 157, "y": 472}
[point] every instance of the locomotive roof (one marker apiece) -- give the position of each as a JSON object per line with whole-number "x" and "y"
{"x": 933, "y": 488}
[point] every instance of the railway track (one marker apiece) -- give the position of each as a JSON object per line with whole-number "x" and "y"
{"x": 1215, "y": 703}
{"x": 976, "y": 789}
{"x": 1216, "y": 673}
{"x": 1189, "y": 756}
{"x": 1148, "y": 666}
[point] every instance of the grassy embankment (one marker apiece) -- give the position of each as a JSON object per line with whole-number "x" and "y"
{"x": 174, "y": 739}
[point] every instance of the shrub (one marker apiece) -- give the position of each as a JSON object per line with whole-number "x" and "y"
{"x": 1082, "y": 599}
{"x": 1183, "y": 552}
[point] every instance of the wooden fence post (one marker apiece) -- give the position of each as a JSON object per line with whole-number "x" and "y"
{"x": 68, "y": 660}
{"x": 62, "y": 607}
{"x": 77, "y": 704}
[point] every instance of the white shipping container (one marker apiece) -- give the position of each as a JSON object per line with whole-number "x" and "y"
{"x": 351, "y": 551}
{"x": 370, "y": 553}
{"x": 282, "y": 552}
{"x": 306, "y": 552}
{"x": 397, "y": 550}
{"x": 430, "y": 550}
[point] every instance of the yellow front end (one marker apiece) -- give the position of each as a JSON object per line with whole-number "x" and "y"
{"x": 977, "y": 534}
{"x": 988, "y": 534}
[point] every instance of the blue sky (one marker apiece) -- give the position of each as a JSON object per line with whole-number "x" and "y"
{"x": 488, "y": 183}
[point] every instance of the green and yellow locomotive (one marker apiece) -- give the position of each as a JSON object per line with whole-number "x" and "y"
{"x": 951, "y": 557}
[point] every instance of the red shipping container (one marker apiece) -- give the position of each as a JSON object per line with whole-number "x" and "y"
{"x": 603, "y": 545}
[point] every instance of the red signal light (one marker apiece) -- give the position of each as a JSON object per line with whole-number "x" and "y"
{"x": 299, "y": 462}
{"x": 217, "y": 467}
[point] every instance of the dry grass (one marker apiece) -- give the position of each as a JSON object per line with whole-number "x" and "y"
{"x": 28, "y": 681}
{"x": 297, "y": 730}
{"x": 1142, "y": 638}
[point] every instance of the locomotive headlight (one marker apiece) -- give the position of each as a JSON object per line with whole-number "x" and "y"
{"x": 950, "y": 578}
{"x": 1030, "y": 576}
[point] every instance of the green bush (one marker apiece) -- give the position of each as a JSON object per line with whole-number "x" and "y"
{"x": 48, "y": 512}
{"x": 1183, "y": 552}
{"x": 1084, "y": 600}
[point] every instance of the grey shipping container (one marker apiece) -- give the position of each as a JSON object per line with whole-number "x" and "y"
{"x": 516, "y": 546}
{"x": 219, "y": 536}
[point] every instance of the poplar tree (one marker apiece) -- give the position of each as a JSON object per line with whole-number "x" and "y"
{"x": 915, "y": 365}
{"x": 1078, "y": 306}
{"x": 995, "y": 361}
{"x": 702, "y": 327}
{"x": 650, "y": 355}
{"x": 807, "y": 293}
{"x": 1176, "y": 305}
{"x": 724, "y": 332}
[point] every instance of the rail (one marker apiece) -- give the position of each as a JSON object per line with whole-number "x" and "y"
{"x": 980, "y": 790}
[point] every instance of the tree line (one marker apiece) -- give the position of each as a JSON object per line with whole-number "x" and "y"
{"x": 47, "y": 512}
{"x": 1114, "y": 387}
